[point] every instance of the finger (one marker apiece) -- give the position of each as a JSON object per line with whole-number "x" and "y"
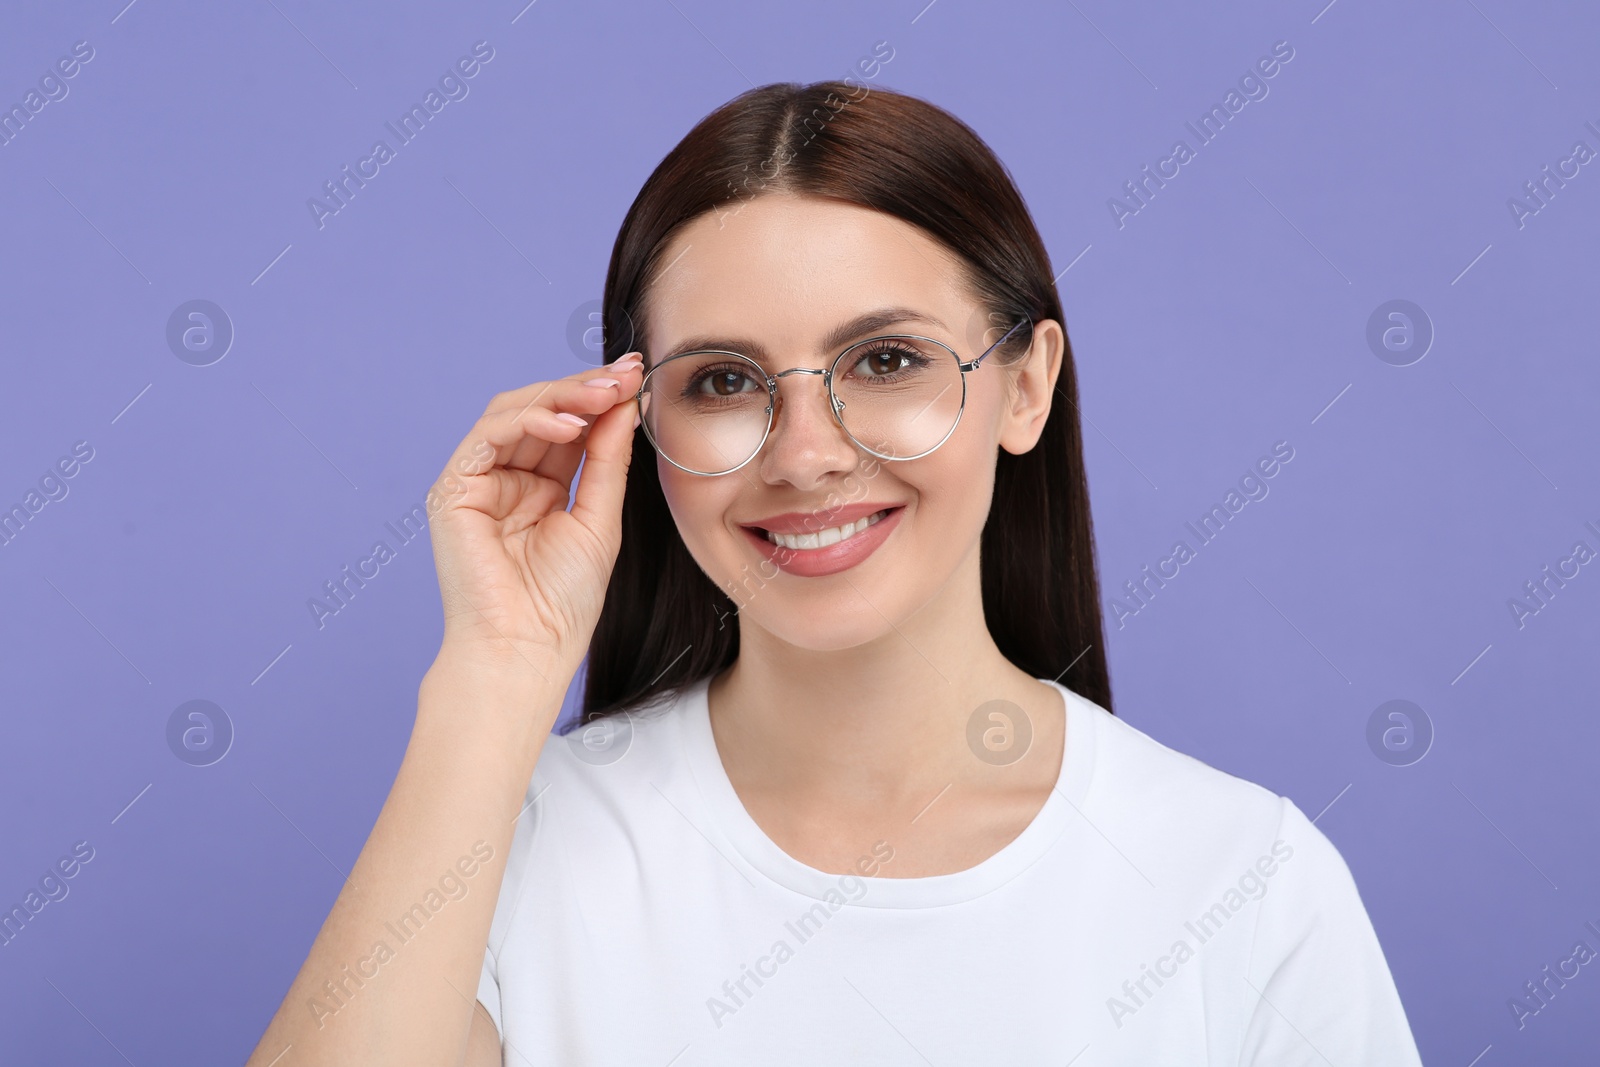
{"x": 584, "y": 395}
{"x": 574, "y": 388}
{"x": 561, "y": 461}
{"x": 519, "y": 434}
{"x": 504, "y": 494}
{"x": 495, "y": 437}
{"x": 628, "y": 376}
{"x": 609, "y": 450}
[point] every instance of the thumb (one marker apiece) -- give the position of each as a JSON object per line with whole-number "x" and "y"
{"x": 597, "y": 502}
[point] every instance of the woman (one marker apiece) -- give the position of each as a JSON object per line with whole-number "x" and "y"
{"x": 849, "y": 788}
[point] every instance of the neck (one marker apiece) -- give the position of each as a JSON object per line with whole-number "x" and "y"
{"x": 884, "y": 723}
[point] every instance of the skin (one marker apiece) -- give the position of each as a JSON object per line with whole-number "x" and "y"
{"x": 842, "y": 719}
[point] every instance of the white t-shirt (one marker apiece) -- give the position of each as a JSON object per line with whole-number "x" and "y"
{"x": 1155, "y": 911}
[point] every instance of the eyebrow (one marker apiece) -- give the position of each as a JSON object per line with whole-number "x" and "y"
{"x": 857, "y": 328}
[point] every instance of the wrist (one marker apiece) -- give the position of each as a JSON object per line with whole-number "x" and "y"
{"x": 502, "y": 665}
{"x": 481, "y": 725}
{"x": 486, "y": 690}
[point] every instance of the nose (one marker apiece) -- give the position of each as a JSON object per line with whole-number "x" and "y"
{"x": 807, "y": 444}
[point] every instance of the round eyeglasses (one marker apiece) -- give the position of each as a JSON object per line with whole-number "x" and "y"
{"x": 897, "y": 396}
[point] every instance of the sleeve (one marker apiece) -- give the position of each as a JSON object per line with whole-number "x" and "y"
{"x": 1317, "y": 988}
{"x": 489, "y": 990}
{"x": 518, "y": 860}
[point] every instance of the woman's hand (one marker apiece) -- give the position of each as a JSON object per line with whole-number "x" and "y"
{"x": 522, "y": 578}
{"x": 523, "y": 581}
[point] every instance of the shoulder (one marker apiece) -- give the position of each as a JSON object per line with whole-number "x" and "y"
{"x": 622, "y": 750}
{"x": 1184, "y": 813}
{"x": 1220, "y": 844}
{"x": 1134, "y": 772}
{"x": 588, "y": 783}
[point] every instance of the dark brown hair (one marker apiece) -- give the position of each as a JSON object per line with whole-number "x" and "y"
{"x": 665, "y": 624}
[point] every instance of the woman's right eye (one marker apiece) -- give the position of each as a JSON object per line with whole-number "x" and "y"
{"x": 724, "y": 382}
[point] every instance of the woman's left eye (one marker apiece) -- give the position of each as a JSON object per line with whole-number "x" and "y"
{"x": 886, "y": 360}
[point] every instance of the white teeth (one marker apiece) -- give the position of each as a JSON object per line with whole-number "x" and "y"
{"x": 823, "y": 538}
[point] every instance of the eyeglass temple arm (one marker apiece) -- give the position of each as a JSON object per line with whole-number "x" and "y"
{"x": 997, "y": 344}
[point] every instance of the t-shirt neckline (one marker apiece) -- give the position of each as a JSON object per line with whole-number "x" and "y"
{"x": 748, "y": 841}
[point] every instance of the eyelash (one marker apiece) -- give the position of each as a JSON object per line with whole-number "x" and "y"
{"x": 910, "y": 357}
{"x": 692, "y": 387}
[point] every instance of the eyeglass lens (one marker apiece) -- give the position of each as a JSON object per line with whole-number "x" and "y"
{"x": 898, "y": 396}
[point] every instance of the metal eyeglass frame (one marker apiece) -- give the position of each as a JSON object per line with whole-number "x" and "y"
{"x": 834, "y": 403}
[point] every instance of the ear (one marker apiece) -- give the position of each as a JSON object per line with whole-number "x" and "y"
{"x": 1033, "y": 387}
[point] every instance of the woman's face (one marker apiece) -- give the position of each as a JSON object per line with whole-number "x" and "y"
{"x": 782, "y": 272}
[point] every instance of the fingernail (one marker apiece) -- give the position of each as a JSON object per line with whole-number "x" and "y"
{"x": 602, "y": 383}
{"x": 630, "y": 358}
{"x": 567, "y": 416}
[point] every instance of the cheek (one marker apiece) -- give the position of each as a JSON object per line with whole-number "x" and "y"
{"x": 699, "y": 507}
{"x": 955, "y": 485}
{"x": 968, "y": 457}
{"x": 959, "y": 487}
{"x": 680, "y": 496}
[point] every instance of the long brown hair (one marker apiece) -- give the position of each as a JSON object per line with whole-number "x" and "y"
{"x": 665, "y": 625}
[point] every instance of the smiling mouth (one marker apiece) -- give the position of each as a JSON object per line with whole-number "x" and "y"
{"x": 823, "y": 538}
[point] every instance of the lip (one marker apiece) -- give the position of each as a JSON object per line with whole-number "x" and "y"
{"x": 839, "y": 556}
{"x": 799, "y": 522}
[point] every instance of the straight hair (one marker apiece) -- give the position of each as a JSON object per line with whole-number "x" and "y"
{"x": 665, "y": 625}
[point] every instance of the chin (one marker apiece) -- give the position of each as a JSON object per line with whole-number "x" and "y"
{"x": 849, "y": 626}
{"x": 841, "y": 611}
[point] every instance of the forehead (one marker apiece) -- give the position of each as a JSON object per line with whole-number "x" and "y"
{"x": 788, "y": 270}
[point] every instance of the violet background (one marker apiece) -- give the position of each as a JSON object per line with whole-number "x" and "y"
{"x": 1228, "y": 314}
